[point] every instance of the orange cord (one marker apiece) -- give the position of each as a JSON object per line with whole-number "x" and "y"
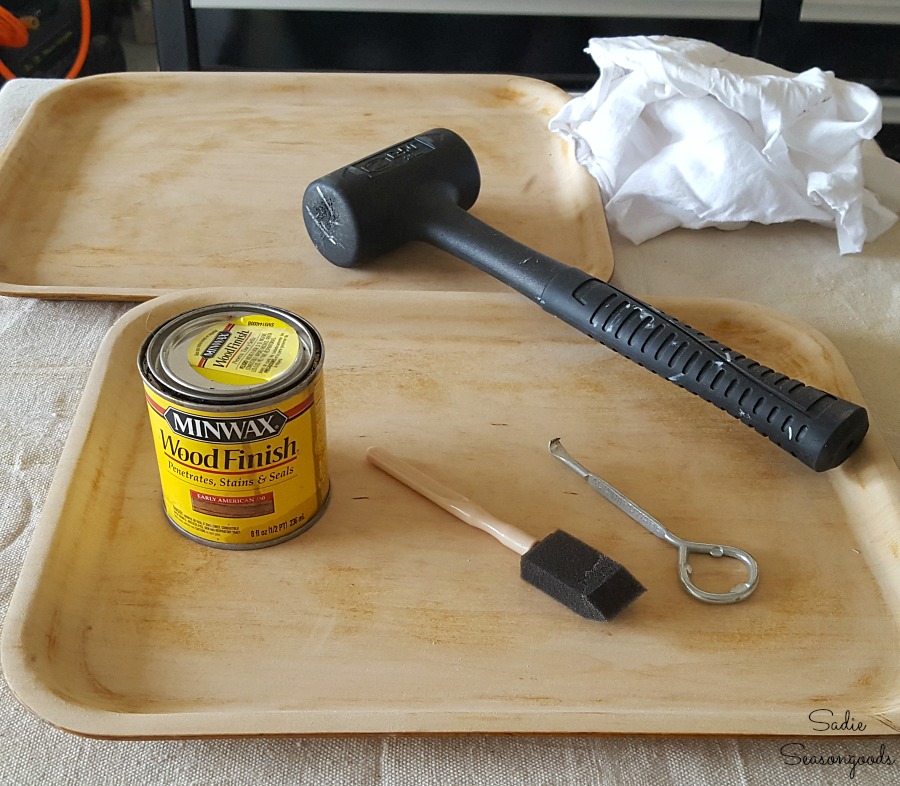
{"x": 12, "y": 29}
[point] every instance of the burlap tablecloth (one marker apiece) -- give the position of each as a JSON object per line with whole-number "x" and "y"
{"x": 48, "y": 347}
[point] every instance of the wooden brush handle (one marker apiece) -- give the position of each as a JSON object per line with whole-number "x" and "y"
{"x": 451, "y": 501}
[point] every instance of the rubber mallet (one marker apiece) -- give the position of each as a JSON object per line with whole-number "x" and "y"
{"x": 421, "y": 189}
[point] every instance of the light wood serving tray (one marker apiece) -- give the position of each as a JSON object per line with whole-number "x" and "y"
{"x": 126, "y": 186}
{"x": 392, "y": 616}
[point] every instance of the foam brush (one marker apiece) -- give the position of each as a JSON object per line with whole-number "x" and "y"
{"x": 591, "y": 584}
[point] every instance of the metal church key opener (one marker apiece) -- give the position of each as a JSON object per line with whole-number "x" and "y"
{"x": 685, "y": 547}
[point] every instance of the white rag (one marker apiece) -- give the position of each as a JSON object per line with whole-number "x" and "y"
{"x": 680, "y": 132}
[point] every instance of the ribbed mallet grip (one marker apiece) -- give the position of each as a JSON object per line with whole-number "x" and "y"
{"x": 816, "y": 427}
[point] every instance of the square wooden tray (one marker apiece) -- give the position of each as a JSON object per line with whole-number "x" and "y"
{"x": 127, "y": 186}
{"x": 392, "y": 616}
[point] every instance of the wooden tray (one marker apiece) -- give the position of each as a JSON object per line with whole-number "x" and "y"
{"x": 392, "y": 616}
{"x": 126, "y": 186}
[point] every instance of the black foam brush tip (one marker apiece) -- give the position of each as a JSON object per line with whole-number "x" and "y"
{"x": 580, "y": 577}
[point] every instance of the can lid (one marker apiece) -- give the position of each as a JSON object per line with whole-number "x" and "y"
{"x": 231, "y": 352}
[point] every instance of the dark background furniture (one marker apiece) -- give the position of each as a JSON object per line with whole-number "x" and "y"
{"x": 292, "y": 34}
{"x": 857, "y": 39}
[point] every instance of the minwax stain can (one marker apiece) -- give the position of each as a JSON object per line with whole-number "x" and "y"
{"x": 236, "y": 403}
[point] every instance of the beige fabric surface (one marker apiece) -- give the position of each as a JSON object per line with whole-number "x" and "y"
{"x": 48, "y": 350}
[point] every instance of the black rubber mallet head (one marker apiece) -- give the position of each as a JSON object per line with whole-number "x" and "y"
{"x": 421, "y": 189}
{"x": 567, "y": 569}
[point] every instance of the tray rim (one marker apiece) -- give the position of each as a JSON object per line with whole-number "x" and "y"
{"x": 69, "y": 90}
{"x": 97, "y": 722}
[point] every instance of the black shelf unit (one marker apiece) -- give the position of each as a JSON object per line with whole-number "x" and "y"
{"x": 546, "y": 47}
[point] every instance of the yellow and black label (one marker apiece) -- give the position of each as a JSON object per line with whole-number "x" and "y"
{"x": 249, "y": 350}
{"x": 242, "y": 479}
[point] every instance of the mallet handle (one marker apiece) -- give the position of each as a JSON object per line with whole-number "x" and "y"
{"x": 818, "y": 428}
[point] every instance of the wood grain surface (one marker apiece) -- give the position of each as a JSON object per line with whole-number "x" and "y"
{"x": 392, "y": 616}
{"x": 126, "y": 186}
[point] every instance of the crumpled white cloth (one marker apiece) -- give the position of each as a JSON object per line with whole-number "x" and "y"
{"x": 680, "y": 132}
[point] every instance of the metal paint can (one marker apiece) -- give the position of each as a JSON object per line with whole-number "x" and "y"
{"x": 236, "y": 402}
